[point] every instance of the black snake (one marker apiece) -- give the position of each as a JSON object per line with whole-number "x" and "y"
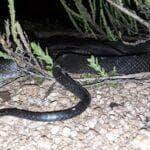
{"x": 70, "y": 55}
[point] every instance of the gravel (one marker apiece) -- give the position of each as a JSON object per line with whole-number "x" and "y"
{"x": 100, "y": 127}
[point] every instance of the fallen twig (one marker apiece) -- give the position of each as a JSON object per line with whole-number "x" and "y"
{"x": 138, "y": 76}
{"x": 129, "y": 13}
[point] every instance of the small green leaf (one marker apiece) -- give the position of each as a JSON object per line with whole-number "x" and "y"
{"x": 93, "y": 63}
{"x": 4, "y": 55}
{"x": 37, "y": 50}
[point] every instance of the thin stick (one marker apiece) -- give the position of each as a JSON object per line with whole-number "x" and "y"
{"x": 126, "y": 11}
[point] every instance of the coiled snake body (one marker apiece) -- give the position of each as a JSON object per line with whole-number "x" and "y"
{"x": 72, "y": 54}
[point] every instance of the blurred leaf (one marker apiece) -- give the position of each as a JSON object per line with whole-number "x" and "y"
{"x": 37, "y": 50}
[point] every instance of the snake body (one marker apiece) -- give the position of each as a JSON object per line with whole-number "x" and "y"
{"x": 71, "y": 57}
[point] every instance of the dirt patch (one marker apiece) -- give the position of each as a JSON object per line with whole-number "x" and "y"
{"x": 100, "y": 127}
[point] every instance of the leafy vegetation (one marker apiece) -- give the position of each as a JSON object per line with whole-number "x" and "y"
{"x": 4, "y": 55}
{"x": 97, "y": 17}
{"x": 37, "y": 50}
{"x": 112, "y": 19}
{"x": 22, "y": 53}
{"x": 93, "y": 63}
{"x": 115, "y": 18}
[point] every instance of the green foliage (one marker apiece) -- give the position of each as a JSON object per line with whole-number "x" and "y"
{"x": 113, "y": 72}
{"x": 93, "y": 63}
{"x": 98, "y": 16}
{"x": 41, "y": 54}
{"x": 147, "y": 2}
{"x": 4, "y": 55}
{"x": 13, "y": 22}
{"x": 23, "y": 46}
{"x": 44, "y": 56}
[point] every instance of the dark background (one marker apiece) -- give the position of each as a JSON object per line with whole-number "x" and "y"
{"x": 37, "y": 10}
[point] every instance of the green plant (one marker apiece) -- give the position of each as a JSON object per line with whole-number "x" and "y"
{"x": 147, "y": 2}
{"x": 93, "y": 63}
{"x": 4, "y": 55}
{"x": 22, "y": 54}
{"x": 44, "y": 56}
{"x": 100, "y": 16}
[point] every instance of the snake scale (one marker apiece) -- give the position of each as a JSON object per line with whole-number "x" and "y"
{"x": 70, "y": 56}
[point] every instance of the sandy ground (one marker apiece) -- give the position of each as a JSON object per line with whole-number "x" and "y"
{"x": 100, "y": 127}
